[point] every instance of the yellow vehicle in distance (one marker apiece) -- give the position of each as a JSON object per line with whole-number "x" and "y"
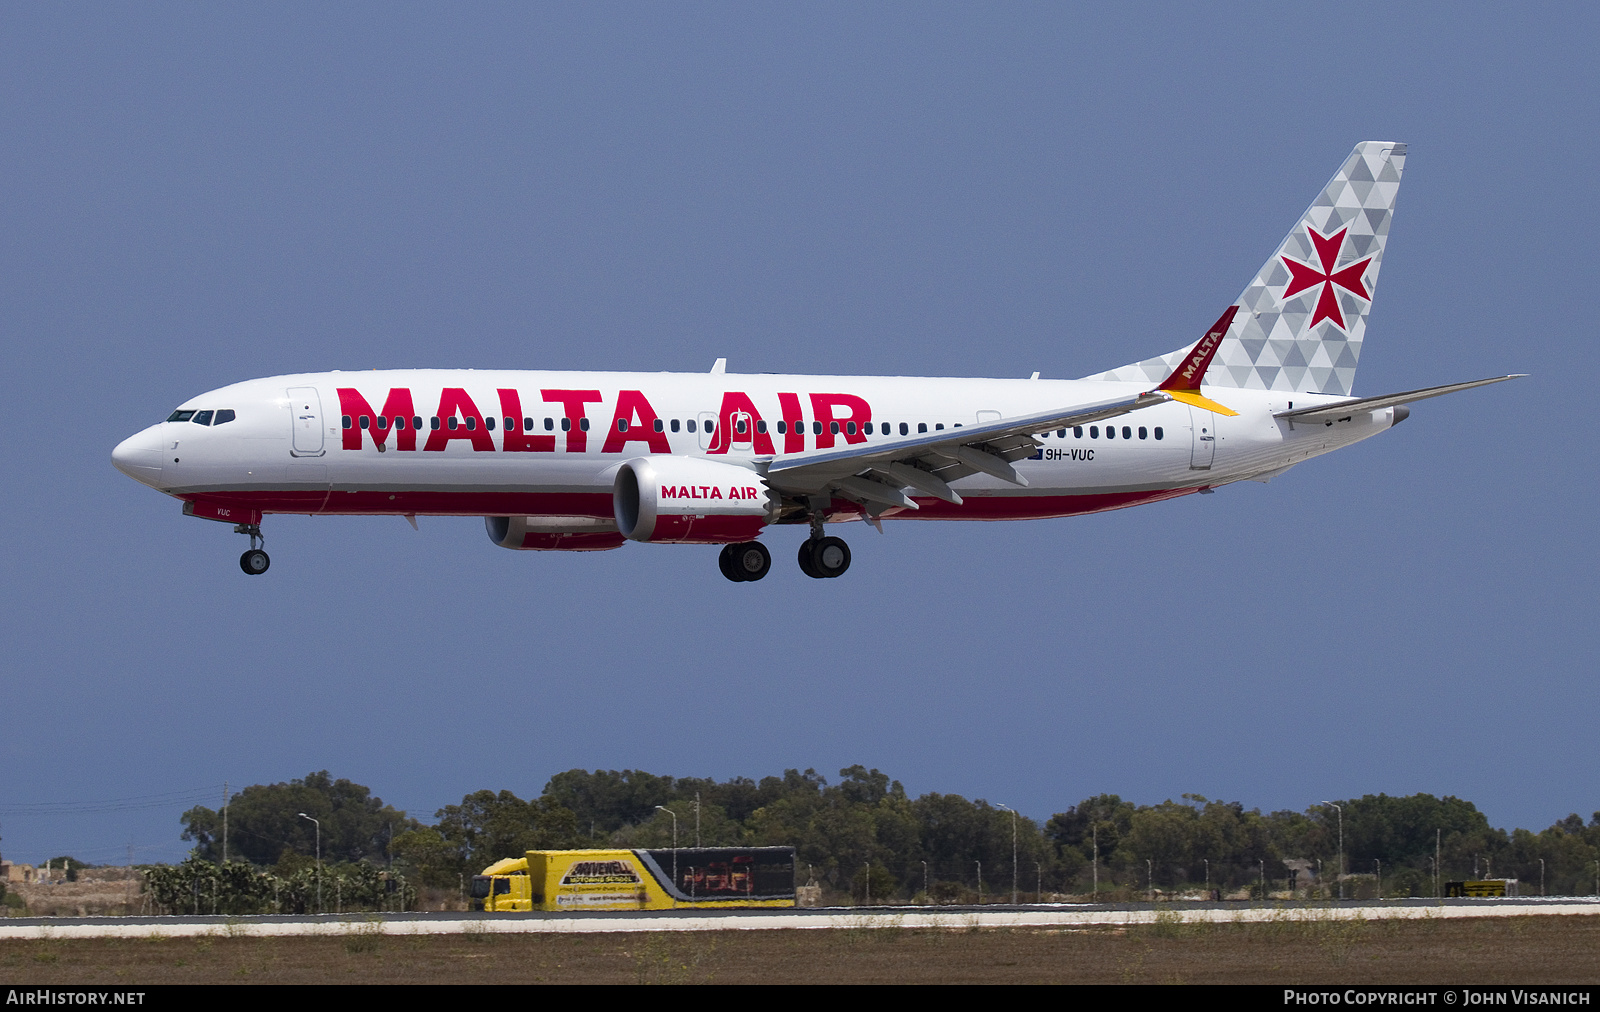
{"x": 689, "y": 877}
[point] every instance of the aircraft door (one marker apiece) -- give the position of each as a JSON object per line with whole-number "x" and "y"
{"x": 305, "y": 415}
{"x": 708, "y": 428}
{"x": 1203, "y": 424}
{"x": 742, "y": 435}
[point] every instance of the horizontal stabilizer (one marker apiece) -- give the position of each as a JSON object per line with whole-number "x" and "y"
{"x": 1333, "y": 412}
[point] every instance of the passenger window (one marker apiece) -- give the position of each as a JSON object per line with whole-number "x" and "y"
{"x": 566, "y": 425}
{"x": 675, "y": 425}
{"x": 740, "y": 426}
{"x": 905, "y": 429}
{"x": 223, "y": 416}
{"x": 202, "y": 418}
{"x": 1077, "y": 432}
{"x": 622, "y": 425}
{"x": 433, "y": 423}
{"x": 452, "y": 421}
{"x": 527, "y": 425}
{"x": 1144, "y": 433}
{"x": 1094, "y": 432}
{"x": 850, "y": 428}
{"x": 488, "y": 423}
{"x": 383, "y": 422}
{"x": 345, "y": 420}
{"x": 922, "y": 426}
{"x": 1127, "y": 433}
{"x": 365, "y": 422}
{"x": 710, "y": 425}
{"x": 691, "y": 425}
{"x": 761, "y": 427}
{"x": 1061, "y": 433}
{"x": 1111, "y": 432}
{"x": 181, "y": 416}
{"x": 659, "y": 426}
{"x": 938, "y": 426}
{"x": 816, "y": 428}
{"x": 782, "y": 428}
{"x": 1158, "y": 432}
{"x": 550, "y": 423}
{"x": 416, "y": 422}
{"x": 867, "y": 428}
{"x": 833, "y": 427}
{"x": 399, "y": 421}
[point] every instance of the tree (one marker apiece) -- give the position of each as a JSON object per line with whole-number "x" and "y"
{"x": 487, "y": 827}
{"x": 264, "y": 820}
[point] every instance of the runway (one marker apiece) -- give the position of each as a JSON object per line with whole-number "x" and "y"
{"x": 1037, "y": 917}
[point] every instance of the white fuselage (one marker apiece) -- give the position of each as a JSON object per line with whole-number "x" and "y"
{"x": 349, "y": 442}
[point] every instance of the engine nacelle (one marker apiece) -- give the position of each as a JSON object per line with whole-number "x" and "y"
{"x": 554, "y": 534}
{"x": 691, "y": 500}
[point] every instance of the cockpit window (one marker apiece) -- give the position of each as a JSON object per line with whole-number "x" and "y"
{"x": 225, "y": 415}
{"x": 180, "y": 415}
{"x": 202, "y": 418}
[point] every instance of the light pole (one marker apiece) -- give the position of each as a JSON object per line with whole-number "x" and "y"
{"x": 1150, "y": 872}
{"x": 674, "y": 849}
{"x": 1377, "y": 866}
{"x": 1013, "y": 812}
{"x": 303, "y": 815}
{"x": 1208, "y": 876}
{"x": 1541, "y": 876}
{"x": 925, "y": 897}
{"x": 697, "y": 820}
{"x": 1339, "y": 874}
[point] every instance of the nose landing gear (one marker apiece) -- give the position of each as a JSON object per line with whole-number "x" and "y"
{"x": 255, "y": 561}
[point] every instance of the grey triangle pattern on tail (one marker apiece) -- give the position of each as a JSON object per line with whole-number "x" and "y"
{"x": 1294, "y": 343}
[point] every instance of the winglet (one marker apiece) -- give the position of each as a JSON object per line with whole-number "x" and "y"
{"x": 1184, "y": 383}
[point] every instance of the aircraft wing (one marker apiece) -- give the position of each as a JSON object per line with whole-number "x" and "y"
{"x": 875, "y": 472}
{"x": 1342, "y": 410}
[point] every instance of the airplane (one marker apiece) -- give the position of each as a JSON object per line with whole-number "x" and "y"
{"x": 587, "y": 461}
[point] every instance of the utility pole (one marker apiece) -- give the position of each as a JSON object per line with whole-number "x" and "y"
{"x": 697, "y": 820}
{"x": 224, "y": 822}
{"x": 1094, "y": 834}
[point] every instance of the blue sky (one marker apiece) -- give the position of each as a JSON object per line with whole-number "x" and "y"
{"x": 195, "y": 195}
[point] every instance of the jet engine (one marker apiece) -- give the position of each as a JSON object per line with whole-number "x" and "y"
{"x": 554, "y": 534}
{"x": 690, "y": 500}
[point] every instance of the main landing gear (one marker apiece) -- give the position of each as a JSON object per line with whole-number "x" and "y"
{"x": 745, "y": 563}
{"x": 823, "y": 558}
{"x": 255, "y": 561}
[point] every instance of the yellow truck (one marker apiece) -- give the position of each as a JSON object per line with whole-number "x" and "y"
{"x": 688, "y": 877}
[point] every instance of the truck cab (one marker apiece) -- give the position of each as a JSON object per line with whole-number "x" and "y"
{"x": 504, "y": 885}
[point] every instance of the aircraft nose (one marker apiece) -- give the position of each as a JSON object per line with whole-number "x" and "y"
{"x": 139, "y": 456}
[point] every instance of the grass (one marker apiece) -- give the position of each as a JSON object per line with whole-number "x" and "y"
{"x": 1533, "y": 950}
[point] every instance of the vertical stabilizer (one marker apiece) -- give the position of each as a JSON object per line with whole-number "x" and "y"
{"x": 1303, "y": 317}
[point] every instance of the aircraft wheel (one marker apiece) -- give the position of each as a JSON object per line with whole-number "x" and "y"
{"x": 830, "y": 557}
{"x": 751, "y": 560}
{"x": 806, "y": 565}
{"x": 726, "y": 564}
{"x": 254, "y": 562}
